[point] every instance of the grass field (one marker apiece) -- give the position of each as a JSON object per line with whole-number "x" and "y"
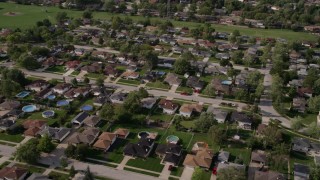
{"x": 29, "y": 15}
{"x": 12, "y": 138}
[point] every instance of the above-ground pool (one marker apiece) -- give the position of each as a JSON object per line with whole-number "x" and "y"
{"x": 172, "y": 139}
{"x": 51, "y": 97}
{"x": 23, "y": 94}
{"x": 62, "y": 103}
{"x": 48, "y": 114}
{"x": 226, "y": 82}
{"x": 86, "y": 108}
{"x": 143, "y": 134}
{"x": 29, "y": 108}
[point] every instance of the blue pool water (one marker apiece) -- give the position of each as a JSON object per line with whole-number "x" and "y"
{"x": 86, "y": 108}
{"x": 51, "y": 97}
{"x": 23, "y": 94}
{"x": 172, "y": 139}
{"x": 29, "y": 108}
{"x": 48, "y": 114}
{"x": 62, "y": 103}
{"x": 226, "y": 82}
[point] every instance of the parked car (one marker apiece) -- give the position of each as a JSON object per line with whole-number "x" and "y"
{"x": 170, "y": 168}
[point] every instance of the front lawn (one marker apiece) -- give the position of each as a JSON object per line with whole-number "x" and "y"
{"x": 50, "y": 121}
{"x": 141, "y": 172}
{"x": 177, "y": 171}
{"x": 129, "y": 82}
{"x": 12, "y": 138}
{"x": 182, "y": 89}
{"x": 94, "y": 75}
{"x": 57, "y": 69}
{"x": 151, "y": 164}
{"x": 238, "y": 151}
{"x": 158, "y": 85}
{"x": 56, "y": 176}
{"x": 159, "y": 115}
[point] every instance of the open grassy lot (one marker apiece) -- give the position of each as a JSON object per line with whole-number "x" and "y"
{"x": 50, "y": 121}
{"x": 28, "y": 15}
{"x": 12, "y": 138}
{"x": 157, "y": 114}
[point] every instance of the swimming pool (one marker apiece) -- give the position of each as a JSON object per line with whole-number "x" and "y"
{"x": 29, "y": 108}
{"x": 51, "y": 97}
{"x": 226, "y": 82}
{"x": 23, "y": 94}
{"x": 86, "y": 108}
{"x": 172, "y": 139}
{"x": 48, "y": 114}
{"x": 62, "y": 103}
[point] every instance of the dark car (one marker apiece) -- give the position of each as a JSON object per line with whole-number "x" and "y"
{"x": 170, "y": 168}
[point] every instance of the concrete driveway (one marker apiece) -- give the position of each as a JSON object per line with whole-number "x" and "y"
{"x": 187, "y": 173}
{"x": 7, "y": 150}
{"x": 165, "y": 172}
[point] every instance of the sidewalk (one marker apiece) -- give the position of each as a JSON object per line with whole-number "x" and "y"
{"x": 123, "y": 162}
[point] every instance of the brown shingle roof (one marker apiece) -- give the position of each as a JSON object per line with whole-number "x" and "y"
{"x": 189, "y": 108}
{"x": 102, "y": 144}
{"x": 12, "y": 172}
{"x": 33, "y": 123}
{"x": 108, "y": 136}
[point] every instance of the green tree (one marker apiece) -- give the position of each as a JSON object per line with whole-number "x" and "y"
{"x": 182, "y": 65}
{"x": 100, "y": 82}
{"x": 209, "y": 90}
{"x": 313, "y": 130}
{"x": 29, "y": 62}
{"x": 204, "y": 122}
{"x": 231, "y": 173}
{"x": 314, "y": 104}
{"x": 297, "y": 123}
{"x": 72, "y": 171}
{"x": 28, "y": 152}
{"x": 61, "y": 17}
{"x": 133, "y": 102}
{"x": 9, "y": 88}
{"x": 216, "y": 134}
{"x": 81, "y": 151}
{"x": 87, "y": 14}
{"x": 142, "y": 93}
{"x": 86, "y": 80}
{"x": 237, "y": 57}
{"x": 107, "y": 112}
{"x": 45, "y": 144}
{"x": 74, "y": 82}
{"x": 88, "y": 175}
{"x": 70, "y": 150}
{"x": 314, "y": 172}
{"x": 64, "y": 162}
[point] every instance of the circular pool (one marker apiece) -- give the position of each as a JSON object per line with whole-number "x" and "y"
{"x": 51, "y": 97}
{"x": 29, "y": 108}
{"x": 86, "y": 108}
{"x": 48, "y": 114}
{"x": 143, "y": 134}
{"x": 62, "y": 103}
{"x": 172, "y": 139}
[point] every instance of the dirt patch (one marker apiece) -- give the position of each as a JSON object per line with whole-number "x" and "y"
{"x": 12, "y": 14}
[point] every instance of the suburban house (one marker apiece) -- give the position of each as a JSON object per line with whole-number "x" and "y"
{"x": 118, "y": 97}
{"x": 130, "y": 75}
{"x": 33, "y": 127}
{"x": 100, "y": 100}
{"x": 301, "y": 171}
{"x": 299, "y": 104}
{"x": 76, "y": 92}
{"x": 219, "y": 114}
{"x": 72, "y": 65}
{"x": 243, "y": 120}
{"x": 38, "y": 85}
{"x": 88, "y": 136}
{"x": 122, "y": 133}
{"x": 57, "y": 134}
{"x": 259, "y": 157}
{"x": 221, "y": 88}
{"x": 93, "y": 68}
{"x": 13, "y": 173}
{"x": 79, "y": 119}
{"x": 170, "y": 153}
{"x": 304, "y": 145}
{"x": 148, "y": 102}
{"x": 140, "y": 149}
{"x": 202, "y": 158}
{"x": 305, "y": 92}
{"x": 61, "y": 88}
{"x": 44, "y": 93}
{"x": 6, "y": 124}
{"x": 111, "y": 71}
{"x": 91, "y": 121}
{"x": 186, "y": 110}
{"x": 105, "y": 140}
{"x": 239, "y": 167}
{"x": 168, "y": 106}
{"x": 195, "y": 83}
{"x": 223, "y": 156}
{"x": 268, "y": 175}
{"x": 172, "y": 79}
{"x": 9, "y": 105}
